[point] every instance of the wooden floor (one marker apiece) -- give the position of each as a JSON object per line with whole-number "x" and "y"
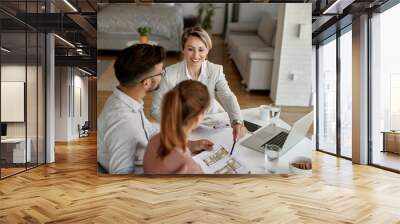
{"x": 7, "y": 171}
{"x": 69, "y": 191}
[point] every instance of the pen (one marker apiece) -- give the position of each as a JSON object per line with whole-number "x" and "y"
{"x": 233, "y": 146}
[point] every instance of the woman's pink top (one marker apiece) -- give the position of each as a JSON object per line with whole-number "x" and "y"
{"x": 177, "y": 161}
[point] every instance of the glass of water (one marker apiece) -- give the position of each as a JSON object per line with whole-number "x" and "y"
{"x": 271, "y": 157}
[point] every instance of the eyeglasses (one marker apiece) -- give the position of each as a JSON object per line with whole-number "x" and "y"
{"x": 162, "y": 73}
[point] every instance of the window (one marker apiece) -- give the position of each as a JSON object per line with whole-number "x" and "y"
{"x": 346, "y": 94}
{"x": 334, "y": 106}
{"x": 385, "y": 89}
{"x": 327, "y": 97}
{"x": 22, "y": 66}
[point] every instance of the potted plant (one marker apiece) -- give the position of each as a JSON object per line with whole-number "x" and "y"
{"x": 144, "y": 31}
{"x": 205, "y": 12}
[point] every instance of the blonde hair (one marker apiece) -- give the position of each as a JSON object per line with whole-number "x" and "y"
{"x": 180, "y": 106}
{"x": 199, "y": 32}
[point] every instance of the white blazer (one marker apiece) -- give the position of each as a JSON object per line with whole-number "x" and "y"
{"x": 212, "y": 76}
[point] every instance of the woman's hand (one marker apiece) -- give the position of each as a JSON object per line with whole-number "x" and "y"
{"x": 200, "y": 145}
{"x": 238, "y": 131}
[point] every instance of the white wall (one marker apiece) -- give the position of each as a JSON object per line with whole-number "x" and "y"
{"x": 218, "y": 19}
{"x": 61, "y": 103}
{"x": 292, "y": 56}
{"x": 69, "y": 85}
{"x": 14, "y": 72}
{"x": 189, "y": 9}
{"x": 80, "y": 83}
{"x": 106, "y": 81}
{"x": 252, "y": 12}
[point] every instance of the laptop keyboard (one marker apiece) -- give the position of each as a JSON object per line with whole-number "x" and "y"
{"x": 278, "y": 139}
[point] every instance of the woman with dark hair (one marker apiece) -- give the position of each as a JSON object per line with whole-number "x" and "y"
{"x": 182, "y": 111}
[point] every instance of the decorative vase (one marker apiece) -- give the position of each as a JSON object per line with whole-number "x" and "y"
{"x": 143, "y": 39}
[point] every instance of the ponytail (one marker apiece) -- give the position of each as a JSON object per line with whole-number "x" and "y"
{"x": 172, "y": 133}
{"x": 179, "y": 107}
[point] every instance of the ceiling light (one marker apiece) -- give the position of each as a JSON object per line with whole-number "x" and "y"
{"x": 70, "y": 5}
{"x": 79, "y": 51}
{"x": 5, "y": 49}
{"x": 65, "y": 41}
{"x": 84, "y": 71}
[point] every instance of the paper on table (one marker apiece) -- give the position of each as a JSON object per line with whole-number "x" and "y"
{"x": 218, "y": 161}
{"x": 214, "y": 123}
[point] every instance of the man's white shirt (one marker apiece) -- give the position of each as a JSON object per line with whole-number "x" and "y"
{"x": 123, "y": 133}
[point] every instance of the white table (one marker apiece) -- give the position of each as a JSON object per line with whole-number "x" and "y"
{"x": 254, "y": 160}
{"x": 18, "y": 148}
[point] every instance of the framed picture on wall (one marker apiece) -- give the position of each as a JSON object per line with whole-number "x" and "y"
{"x": 12, "y": 101}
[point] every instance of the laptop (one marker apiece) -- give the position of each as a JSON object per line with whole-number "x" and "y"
{"x": 285, "y": 139}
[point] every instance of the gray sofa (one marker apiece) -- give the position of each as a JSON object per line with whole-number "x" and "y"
{"x": 117, "y": 25}
{"x": 251, "y": 47}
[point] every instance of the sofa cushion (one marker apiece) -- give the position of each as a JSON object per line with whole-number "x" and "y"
{"x": 262, "y": 54}
{"x": 266, "y": 29}
{"x": 246, "y": 53}
{"x": 237, "y": 40}
{"x": 234, "y": 41}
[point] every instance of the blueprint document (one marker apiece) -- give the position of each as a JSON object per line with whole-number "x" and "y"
{"x": 218, "y": 161}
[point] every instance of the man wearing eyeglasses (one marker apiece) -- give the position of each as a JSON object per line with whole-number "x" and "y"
{"x": 123, "y": 129}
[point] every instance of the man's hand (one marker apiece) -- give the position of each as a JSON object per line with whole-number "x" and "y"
{"x": 200, "y": 145}
{"x": 238, "y": 131}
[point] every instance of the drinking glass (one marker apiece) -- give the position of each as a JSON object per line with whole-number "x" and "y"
{"x": 271, "y": 157}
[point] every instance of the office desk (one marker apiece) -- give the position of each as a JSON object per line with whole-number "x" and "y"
{"x": 254, "y": 160}
{"x": 13, "y": 150}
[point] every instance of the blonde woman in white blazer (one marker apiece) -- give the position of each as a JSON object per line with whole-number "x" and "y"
{"x": 196, "y": 44}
